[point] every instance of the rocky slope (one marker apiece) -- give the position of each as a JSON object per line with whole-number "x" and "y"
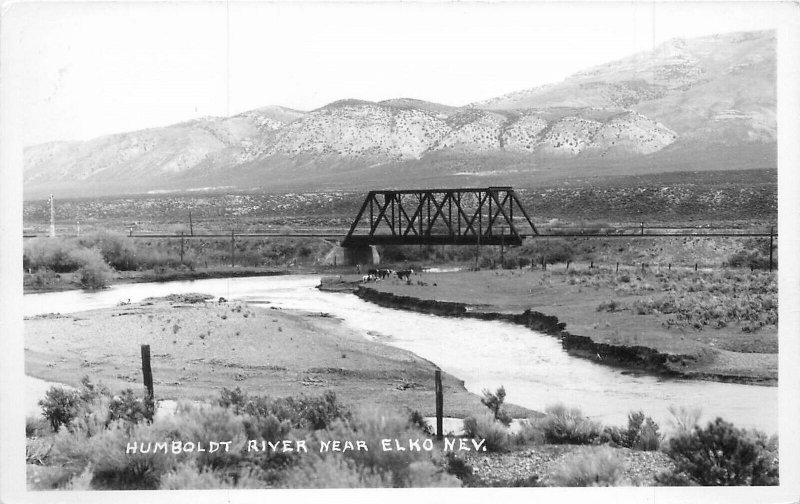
{"x": 716, "y": 88}
{"x": 647, "y": 113}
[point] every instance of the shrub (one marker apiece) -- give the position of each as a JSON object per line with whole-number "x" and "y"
{"x": 684, "y": 420}
{"x": 611, "y": 305}
{"x": 307, "y": 412}
{"x": 530, "y": 431}
{"x": 494, "y": 401}
{"x": 188, "y": 477}
{"x": 94, "y": 273}
{"x": 115, "y": 468}
{"x": 130, "y": 408}
{"x": 550, "y": 251}
{"x": 721, "y": 454}
{"x": 396, "y": 468}
{"x": 459, "y": 468}
{"x": 593, "y": 466}
{"x": 642, "y": 433}
{"x": 118, "y": 250}
{"x": 416, "y": 419}
{"x": 60, "y": 406}
{"x": 487, "y": 428}
{"x": 37, "y": 450}
{"x": 35, "y": 426}
{"x": 47, "y": 477}
{"x": 194, "y": 422}
{"x": 563, "y": 425}
{"x": 333, "y": 472}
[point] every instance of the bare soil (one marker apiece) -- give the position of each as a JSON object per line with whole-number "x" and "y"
{"x": 199, "y": 348}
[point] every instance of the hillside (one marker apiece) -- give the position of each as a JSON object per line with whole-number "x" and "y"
{"x": 698, "y": 104}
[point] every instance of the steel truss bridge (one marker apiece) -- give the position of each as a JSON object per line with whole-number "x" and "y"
{"x": 482, "y": 216}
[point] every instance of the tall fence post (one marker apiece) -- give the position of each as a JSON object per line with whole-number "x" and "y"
{"x": 191, "y": 227}
{"x": 439, "y": 404}
{"x": 771, "y": 237}
{"x": 147, "y": 371}
{"x": 181, "y": 248}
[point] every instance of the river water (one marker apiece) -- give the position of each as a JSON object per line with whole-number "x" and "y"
{"x": 533, "y": 368}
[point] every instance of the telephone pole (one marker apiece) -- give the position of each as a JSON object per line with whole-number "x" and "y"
{"x": 52, "y": 219}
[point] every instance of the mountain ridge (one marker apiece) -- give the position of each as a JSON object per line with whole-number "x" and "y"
{"x": 680, "y": 99}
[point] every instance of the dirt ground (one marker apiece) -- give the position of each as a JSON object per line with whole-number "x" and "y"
{"x": 199, "y": 348}
{"x": 726, "y": 352}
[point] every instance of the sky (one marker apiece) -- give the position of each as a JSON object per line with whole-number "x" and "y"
{"x": 86, "y": 69}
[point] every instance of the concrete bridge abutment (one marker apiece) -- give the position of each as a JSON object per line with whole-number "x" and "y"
{"x": 353, "y": 255}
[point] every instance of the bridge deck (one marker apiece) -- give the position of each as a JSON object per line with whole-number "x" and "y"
{"x": 362, "y": 240}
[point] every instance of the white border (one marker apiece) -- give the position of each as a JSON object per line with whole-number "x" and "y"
{"x": 12, "y": 446}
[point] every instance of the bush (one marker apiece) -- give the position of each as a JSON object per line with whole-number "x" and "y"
{"x": 37, "y": 450}
{"x": 94, "y": 273}
{"x": 333, "y": 471}
{"x": 548, "y": 250}
{"x": 307, "y": 412}
{"x": 459, "y": 468}
{"x": 563, "y": 425}
{"x": 35, "y": 426}
{"x": 396, "y": 468}
{"x": 494, "y": 401}
{"x": 130, "y": 408}
{"x": 115, "y": 468}
{"x": 611, "y": 305}
{"x": 118, "y": 250}
{"x": 416, "y": 419}
{"x": 722, "y": 455}
{"x": 188, "y": 477}
{"x": 684, "y": 420}
{"x": 530, "y": 431}
{"x": 642, "y": 433}
{"x": 60, "y": 406}
{"x": 487, "y": 428}
{"x": 593, "y": 466}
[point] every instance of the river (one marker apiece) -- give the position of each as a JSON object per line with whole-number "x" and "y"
{"x": 533, "y": 368}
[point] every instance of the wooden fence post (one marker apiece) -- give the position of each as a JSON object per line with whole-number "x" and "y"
{"x": 181, "y": 248}
{"x": 617, "y": 267}
{"x": 439, "y": 404}
{"x": 191, "y": 227}
{"x": 147, "y": 371}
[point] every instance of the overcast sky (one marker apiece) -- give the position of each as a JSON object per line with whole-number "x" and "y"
{"x": 89, "y": 69}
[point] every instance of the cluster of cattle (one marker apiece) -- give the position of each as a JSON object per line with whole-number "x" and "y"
{"x": 373, "y": 275}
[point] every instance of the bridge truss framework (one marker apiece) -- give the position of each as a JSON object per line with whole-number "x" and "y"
{"x": 483, "y": 216}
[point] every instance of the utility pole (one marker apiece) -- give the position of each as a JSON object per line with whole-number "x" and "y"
{"x": 52, "y": 219}
{"x": 233, "y": 241}
{"x": 771, "y": 237}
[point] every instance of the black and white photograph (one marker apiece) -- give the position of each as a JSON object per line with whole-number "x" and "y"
{"x": 258, "y": 246}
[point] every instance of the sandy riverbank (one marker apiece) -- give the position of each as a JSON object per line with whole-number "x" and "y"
{"x": 199, "y": 348}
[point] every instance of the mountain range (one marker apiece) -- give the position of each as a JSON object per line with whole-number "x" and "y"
{"x": 697, "y": 104}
